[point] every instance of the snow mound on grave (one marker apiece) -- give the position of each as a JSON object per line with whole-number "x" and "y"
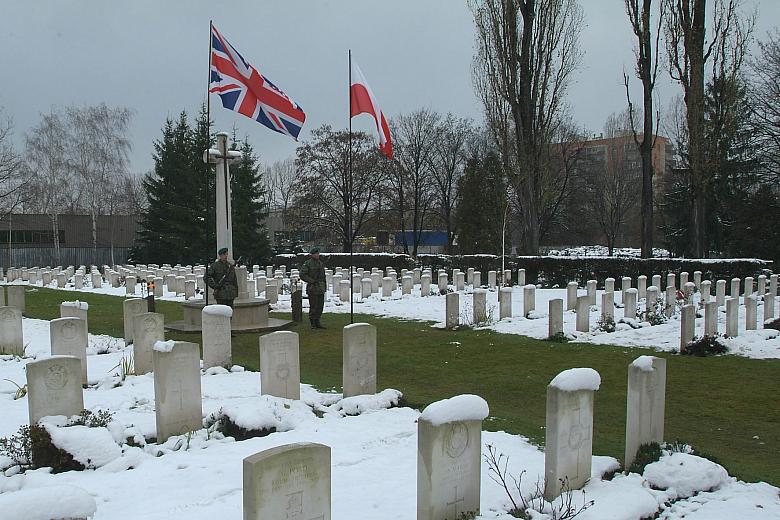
{"x": 268, "y": 413}
{"x": 91, "y": 447}
{"x": 164, "y": 346}
{"x": 218, "y": 310}
{"x": 685, "y": 474}
{"x": 358, "y": 404}
{"x": 77, "y": 304}
{"x": 644, "y": 363}
{"x": 45, "y": 503}
{"x": 575, "y": 379}
{"x": 465, "y": 407}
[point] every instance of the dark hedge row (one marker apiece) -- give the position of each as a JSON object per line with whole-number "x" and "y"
{"x": 549, "y": 271}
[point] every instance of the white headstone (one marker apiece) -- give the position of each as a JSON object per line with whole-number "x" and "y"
{"x": 272, "y": 292}
{"x": 288, "y": 482}
{"x": 629, "y": 306}
{"x": 646, "y": 404}
{"x": 583, "y": 313}
{"x": 54, "y": 387}
{"x": 148, "y": 329}
{"x": 670, "y": 301}
{"x": 656, "y": 281}
{"x": 449, "y": 453}
{"x": 687, "y": 325}
{"x": 751, "y": 313}
{"x": 711, "y": 318}
{"x": 407, "y": 282}
{"x": 68, "y": 337}
{"x": 705, "y": 288}
{"x": 732, "y": 317}
{"x": 365, "y": 288}
{"x": 735, "y": 287}
{"x": 591, "y": 288}
{"x": 521, "y": 277}
{"x": 670, "y": 281}
{"x": 130, "y": 282}
{"x": 177, "y": 397}
{"x": 344, "y": 293}
{"x": 217, "y": 346}
{"x": 11, "y": 335}
{"x": 477, "y": 279}
{"x": 460, "y": 282}
{"x": 697, "y": 278}
{"x": 749, "y": 286}
{"x": 452, "y": 310}
{"x": 425, "y": 285}
{"x": 505, "y": 302}
{"x": 609, "y": 285}
{"x": 571, "y": 296}
{"x": 684, "y": 279}
{"x": 641, "y": 286}
{"x": 131, "y": 308}
{"x": 568, "y": 448}
{"x": 16, "y": 297}
{"x": 608, "y": 305}
{"x": 773, "y": 285}
{"x": 480, "y": 306}
{"x": 359, "y": 359}
{"x": 442, "y": 283}
{"x": 280, "y": 371}
{"x": 529, "y": 299}
{"x": 555, "y": 316}
{"x": 769, "y": 307}
{"x": 492, "y": 280}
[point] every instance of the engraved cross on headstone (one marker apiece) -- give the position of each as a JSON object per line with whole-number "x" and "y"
{"x": 455, "y": 503}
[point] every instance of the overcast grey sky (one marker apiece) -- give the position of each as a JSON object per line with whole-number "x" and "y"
{"x": 152, "y": 56}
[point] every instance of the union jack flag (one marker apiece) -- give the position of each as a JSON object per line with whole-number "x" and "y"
{"x": 244, "y": 90}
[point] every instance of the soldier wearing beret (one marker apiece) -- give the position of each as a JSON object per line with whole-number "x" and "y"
{"x": 313, "y": 273}
{"x": 222, "y": 279}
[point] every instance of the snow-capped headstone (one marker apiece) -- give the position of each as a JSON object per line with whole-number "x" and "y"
{"x": 591, "y": 288}
{"x": 773, "y": 285}
{"x": 288, "y": 482}
{"x": 751, "y": 313}
{"x": 449, "y": 447}
{"x": 529, "y": 299}
{"x": 505, "y": 302}
{"x": 130, "y": 282}
{"x": 651, "y": 300}
{"x": 407, "y": 284}
{"x": 521, "y": 277}
{"x": 735, "y": 284}
{"x": 189, "y": 289}
{"x": 97, "y": 280}
{"x": 425, "y": 285}
{"x": 748, "y": 286}
{"x": 571, "y": 296}
{"x": 54, "y": 387}
{"x": 607, "y": 305}
{"x": 705, "y": 288}
{"x": 479, "y": 297}
{"x": 261, "y": 281}
{"x": 46, "y": 278}
{"x": 555, "y": 316}
{"x": 629, "y": 304}
{"x": 609, "y": 285}
{"x": 460, "y": 282}
{"x": 641, "y": 286}
{"x": 583, "y": 313}
{"x": 280, "y": 371}
{"x": 711, "y": 318}
{"x": 344, "y": 293}
{"x": 387, "y": 287}
{"x": 656, "y": 281}
{"x": 356, "y": 283}
{"x": 376, "y": 282}
{"x": 359, "y": 359}
{"x": 148, "y": 329}
{"x": 732, "y": 317}
{"x": 720, "y": 292}
{"x": 688, "y": 289}
{"x": 11, "y": 335}
{"x": 62, "y": 279}
{"x": 645, "y": 405}
{"x": 452, "y": 310}
{"x": 442, "y": 282}
{"x": 177, "y": 398}
{"x": 670, "y": 281}
{"x": 470, "y": 275}
{"x": 492, "y": 280}
{"x": 625, "y": 284}
{"x": 507, "y": 278}
{"x": 68, "y": 337}
{"x": 217, "y": 347}
{"x": 697, "y": 278}
{"x": 75, "y": 309}
{"x": 131, "y": 308}
{"x": 477, "y": 279}
{"x": 761, "y": 288}
{"x": 16, "y": 297}
{"x": 272, "y": 292}
{"x": 568, "y": 449}
{"x": 416, "y": 274}
{"x": 158, "y": 287}
{"x": 769, "y": 307}
{"x": 684, "y": 279}
{"x": 670, "y": 301}
{"x": 687, "y": 325}
{"x": 365, "y": 288}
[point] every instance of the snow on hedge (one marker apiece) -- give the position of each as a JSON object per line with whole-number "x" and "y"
{"x": 267, "y": 412}
{"x": 91, "y": 447}
{"x": 465, "y": 407}
{"x": 575, "y": 379}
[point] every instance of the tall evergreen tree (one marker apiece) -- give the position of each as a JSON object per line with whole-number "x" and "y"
{"x": 250, "y": 203}
{"x": 482, "y": 199}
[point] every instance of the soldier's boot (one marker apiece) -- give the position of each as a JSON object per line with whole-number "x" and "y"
{"x": 318, "y": 325}
{"x": 313, "y": 324}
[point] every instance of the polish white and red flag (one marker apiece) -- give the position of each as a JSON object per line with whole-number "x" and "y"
{"x": 363, "y": 101}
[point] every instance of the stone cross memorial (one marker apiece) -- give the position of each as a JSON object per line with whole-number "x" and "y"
{"x": 177, "y": 398}
{"x": 289, "y": 482}
{"x": 280, "y": 371}
{"x": 359, "y": 359}
{"x": 449, "y": 452}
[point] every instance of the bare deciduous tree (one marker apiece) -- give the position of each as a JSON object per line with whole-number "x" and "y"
{"x": 526, "y": 54}
{"x": 646, "y": 53}
{"x": 282, "y": 182}
{"x": 765, "y": 98}
{"x": 415, "y": 136}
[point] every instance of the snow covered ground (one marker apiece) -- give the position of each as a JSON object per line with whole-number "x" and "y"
{"x": 374, "y": 457}
{"x": 758, "y": 344}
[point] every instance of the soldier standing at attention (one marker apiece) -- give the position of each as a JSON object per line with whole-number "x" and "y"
{"x": 222, "y": 279}
{"x": 313, "y": 273}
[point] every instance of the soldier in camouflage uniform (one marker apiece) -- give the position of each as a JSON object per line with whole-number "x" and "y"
{"x": 222, "y": 279}
{"x": 313, "y": 273}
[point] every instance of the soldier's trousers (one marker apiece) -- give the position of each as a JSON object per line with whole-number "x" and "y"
{"x": 316, "y": 303}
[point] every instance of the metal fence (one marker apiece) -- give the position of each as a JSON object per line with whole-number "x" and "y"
{"x": 76, "y": 256}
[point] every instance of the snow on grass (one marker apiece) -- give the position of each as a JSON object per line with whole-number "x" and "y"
{"x": 374, "y": 456}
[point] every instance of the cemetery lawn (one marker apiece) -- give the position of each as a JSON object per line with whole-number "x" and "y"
{"x": 727, "y": 407}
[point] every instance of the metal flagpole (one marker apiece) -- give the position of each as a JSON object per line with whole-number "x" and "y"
{"x": 208, "y": 168}
{"x": 349, "y": 199}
